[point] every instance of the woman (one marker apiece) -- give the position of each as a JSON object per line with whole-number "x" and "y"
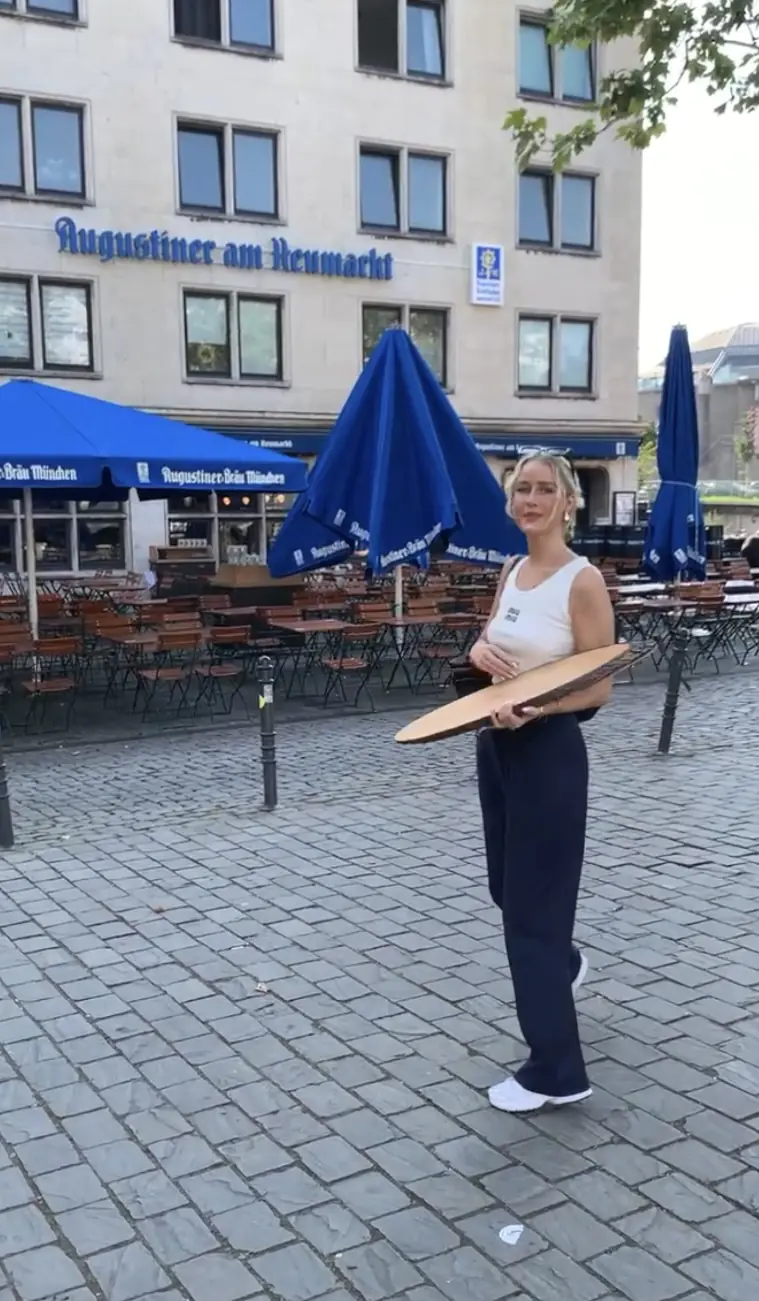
{"x": 533, "y": 778}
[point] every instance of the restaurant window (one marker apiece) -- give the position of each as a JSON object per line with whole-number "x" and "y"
{"x": 427, "y": 326}
{"x": 46, "y": 325}
{"x": 557, "y": 212}
{"x": 228, "y": 170}
{"x": 394, "y": 35}
{"x": 63, "y": 10}
{"x": 231, "y": 524}
{"x": 233, "y": 336}
{"x": 403, "y": 191}
{"x": 238, "y": 24}
{"x": 70, "y": 536}
{"x": 42, "y": 148}
{"x": 566, "y": 73}
{"x": 277, "y": 506}
{"x": 555, "y": 355}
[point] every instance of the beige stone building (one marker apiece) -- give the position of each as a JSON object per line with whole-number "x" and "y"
{"x": 212, "y": 209}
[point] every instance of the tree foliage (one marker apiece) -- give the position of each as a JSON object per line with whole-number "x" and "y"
{"x": 711, "y": 42}
{"x": 647, "y": 468}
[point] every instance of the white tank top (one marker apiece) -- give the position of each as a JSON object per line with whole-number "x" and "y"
{"x": 535, "y": 627}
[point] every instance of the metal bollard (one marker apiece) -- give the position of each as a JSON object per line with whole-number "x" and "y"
{"x": 265, "y": 676}
{"x": 6, "y": 821}
{"x": 674, "y": 682}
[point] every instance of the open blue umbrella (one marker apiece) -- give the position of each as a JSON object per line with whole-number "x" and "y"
{"x": 399, "y": 475}
{"x": 676, "y": 538}
{"x": 52, "y": 438}
{"x": 82, "y": 447}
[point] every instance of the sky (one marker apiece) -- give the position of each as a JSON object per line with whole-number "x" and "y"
{"x": 700, "y": 225}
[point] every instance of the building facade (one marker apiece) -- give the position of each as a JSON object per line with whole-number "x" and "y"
{"x": 213, "y": 208}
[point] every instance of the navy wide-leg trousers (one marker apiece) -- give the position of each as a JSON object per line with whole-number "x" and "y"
{"x": 533, "y": 787}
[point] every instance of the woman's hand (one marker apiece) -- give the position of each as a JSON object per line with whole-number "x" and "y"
{"x": 493, "y": 660}
{"x": 506, "y": 717}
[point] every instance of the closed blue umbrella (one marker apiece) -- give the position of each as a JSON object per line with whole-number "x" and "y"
{"x": 399, "y": 474}
{"x": 676, "y": 539}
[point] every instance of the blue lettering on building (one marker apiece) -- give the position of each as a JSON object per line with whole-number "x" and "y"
{"x": 160, "y": 246}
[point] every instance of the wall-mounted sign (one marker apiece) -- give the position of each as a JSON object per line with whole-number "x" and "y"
{"x": 507, "y": 446}
{"x": 623, "y": 510}
{"x": 487, "y": 275}
{"x": 160, "y": 246}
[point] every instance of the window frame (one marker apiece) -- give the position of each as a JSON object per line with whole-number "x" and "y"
{"x": 571, "y": 389}
{"x": 37, "y": 365}
{"x": 403, "y": 312}
{"x": 218, "y": 131}
{"x": 274, "y": 139}
{"x": 555, "y": 389}
{"x": 403, "y": 154}
{"x": 278, "y": 303}
{"x": 56, "y": 282}
{"x": 202, "y": 375}
{"x": 26, "y": 103}
{"x": 63, "y": 106}
{"x": 232, "y": 298}
{"x": 18, "y": 103}
{"x": 10, "y": 365}
{"x": 225, "y": 132}
{"x": 225, "y": 42}
{"x": 557, "y": 243}
{"x": 402, "y": 70}
{"x": 36, "y": 11}
{"x": 556, "y": 93}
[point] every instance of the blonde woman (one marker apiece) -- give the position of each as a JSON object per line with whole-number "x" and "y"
{"x": 533, "y": 778}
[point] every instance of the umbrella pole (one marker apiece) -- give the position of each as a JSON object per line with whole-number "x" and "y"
{"x": 31, "y": 566}
{"x": 398, "y": 606}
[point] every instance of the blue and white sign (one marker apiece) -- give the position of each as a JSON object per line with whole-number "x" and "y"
{"x": 581, "y": 447}
{"x": 162, "y": 246}
{"x": 487, "y": 275}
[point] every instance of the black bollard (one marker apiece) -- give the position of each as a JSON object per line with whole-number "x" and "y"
{"x": 674, "y": 682}
{"x": 6, "y": 821}
{"x": 265, "y": 676}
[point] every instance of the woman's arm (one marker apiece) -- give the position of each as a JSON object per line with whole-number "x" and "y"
{"x": 592, "y": 616}
{"x": 487, "y": 658}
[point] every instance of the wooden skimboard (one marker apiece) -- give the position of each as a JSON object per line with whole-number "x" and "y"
{"x": 537, "y": 687}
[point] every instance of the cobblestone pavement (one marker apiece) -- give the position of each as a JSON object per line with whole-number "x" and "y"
{"x": 245, "y": 1055}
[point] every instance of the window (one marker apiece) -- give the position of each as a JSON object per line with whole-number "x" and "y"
{"x": 68, "y": 536}
{"x": 230, "y": 170}
{"x": 554, "y": 72}
{"x": 11, "y": 146}
{"x": 557, "y": 211}
{"x": 45, "y": 325}
{"x": 237, "y": 24}
{"x": 555, "y": 354}
{"x": 402, "y": 35}
{"x": 42, "y": 148}
{"x": 233, "y": 336}
{"x": 230, "y": 523}
{"x": 68, "y": 10}
{"x": 66, "y": 326}
{"x": 403, "y": 192}
{"x": 428, "y": 327}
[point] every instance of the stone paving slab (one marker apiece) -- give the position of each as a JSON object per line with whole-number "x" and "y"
{"x": 246, "y": 1055}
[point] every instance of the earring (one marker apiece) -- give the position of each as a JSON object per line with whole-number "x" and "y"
{"x": 567, "y": 517}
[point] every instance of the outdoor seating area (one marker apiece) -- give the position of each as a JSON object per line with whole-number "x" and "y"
{"x": 106, "y": 645}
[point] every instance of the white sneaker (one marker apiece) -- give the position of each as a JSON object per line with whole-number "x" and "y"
{"x": 582, "y": 973}
{"x": 509, "y": 1095}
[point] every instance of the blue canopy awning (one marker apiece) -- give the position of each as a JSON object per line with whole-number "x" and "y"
{"x": 51, "y": 438}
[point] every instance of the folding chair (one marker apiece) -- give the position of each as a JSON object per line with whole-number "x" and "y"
{"x": 174, "y": 662}
{"x": 354, "y": 658}
{"x": 228, "y": 667}
{"x": 58, "y": 666}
